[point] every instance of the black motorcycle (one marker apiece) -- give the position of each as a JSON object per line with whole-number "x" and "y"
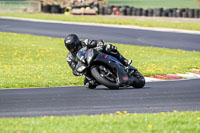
{"x": 107, "y": 70}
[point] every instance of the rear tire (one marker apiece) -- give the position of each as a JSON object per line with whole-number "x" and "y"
{"x": 96, "y": 74}
{"x": 140, "y": 80}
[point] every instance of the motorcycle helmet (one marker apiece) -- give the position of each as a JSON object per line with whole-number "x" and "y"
{"x": 72, "y": 43}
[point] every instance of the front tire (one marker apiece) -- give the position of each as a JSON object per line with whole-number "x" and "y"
{"x": 97, "y": 75}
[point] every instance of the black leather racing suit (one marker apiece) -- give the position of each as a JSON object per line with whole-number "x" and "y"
{"x": 108, "y": 49}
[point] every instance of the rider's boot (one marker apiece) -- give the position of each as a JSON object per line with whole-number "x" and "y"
{"x": 127, "y": 62}
{"x": 123, "y": 60}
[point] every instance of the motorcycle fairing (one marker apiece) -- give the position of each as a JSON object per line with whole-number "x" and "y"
{"x": 90, "y": 55}
{"x": 114, "y": 64}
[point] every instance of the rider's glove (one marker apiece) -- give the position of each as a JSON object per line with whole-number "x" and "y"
{"x": 100, "y": 45}
{"x": 77, "y": 73}
{"x": 110, "y": 48}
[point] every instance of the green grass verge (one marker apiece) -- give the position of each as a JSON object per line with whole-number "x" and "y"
{"x": 34, "y": 61}
{"x": 107, "y": 20}
{"x": 176, "y": 122}
{"x": 157, "y": 3}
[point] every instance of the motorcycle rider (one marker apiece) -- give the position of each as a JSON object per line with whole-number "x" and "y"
{"x": 73, "y": 44}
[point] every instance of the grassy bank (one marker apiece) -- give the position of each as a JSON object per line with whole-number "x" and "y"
{"x": 33, "y": 61}
{"x": 106, "y": 20}
{"x": 157, "y": 3}
{"x": 183, "y": 122}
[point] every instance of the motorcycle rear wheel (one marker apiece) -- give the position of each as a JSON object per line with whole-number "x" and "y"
{"x": 97, "y": 75}
{"x": 140, "y": 82}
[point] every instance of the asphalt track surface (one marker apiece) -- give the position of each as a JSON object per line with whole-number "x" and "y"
{"x": 108, "y": 34}
{"x": 61, "y": 101}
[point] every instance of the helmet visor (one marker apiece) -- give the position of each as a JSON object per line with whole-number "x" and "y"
{"x": 73, "y": 48}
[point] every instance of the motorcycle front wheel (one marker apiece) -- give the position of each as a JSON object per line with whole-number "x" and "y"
{"x": 96, "y": 73}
